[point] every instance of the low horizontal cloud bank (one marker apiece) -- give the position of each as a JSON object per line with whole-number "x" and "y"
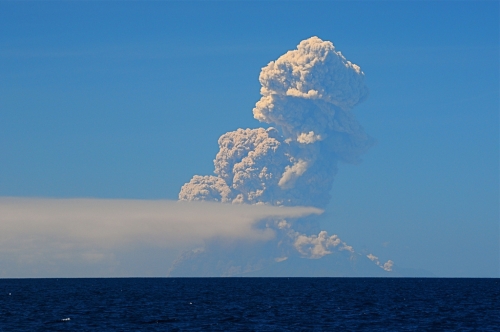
{"x": 105, "y": 223}
{"x": 93, "y": 227}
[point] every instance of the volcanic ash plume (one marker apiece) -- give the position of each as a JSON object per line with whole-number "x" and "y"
{"x": 307, "y": 95}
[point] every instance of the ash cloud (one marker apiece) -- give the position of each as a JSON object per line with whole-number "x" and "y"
{"x": 318, "y": 246}
{"x": 39, "y": 234}
{"x": 307, "y": 96}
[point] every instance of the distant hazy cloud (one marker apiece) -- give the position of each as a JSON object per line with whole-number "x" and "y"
{"x": 318, "y": 246}
{"x": 387, "y": 266}
{"x": 92, "y": 228}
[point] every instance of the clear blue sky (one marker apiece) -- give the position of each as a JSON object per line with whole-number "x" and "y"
{"x": 128, "y": 99}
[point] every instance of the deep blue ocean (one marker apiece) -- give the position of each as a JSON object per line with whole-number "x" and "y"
{"x": 250, "y": 304}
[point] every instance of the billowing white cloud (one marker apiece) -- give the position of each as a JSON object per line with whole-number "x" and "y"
{"x": 318, "y": 246}
{"x": 307, "y": 95}
{"x": 308, "y": 138}
{"x": 206, "y": 188}
{"x": 248, "y": 166}
{"x": 387, "y": 266}
{"x": 315, "y": 70}
{"x": 311, "y": 89}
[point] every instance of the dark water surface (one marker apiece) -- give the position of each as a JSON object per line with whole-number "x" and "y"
{"x": 250, "y": 304}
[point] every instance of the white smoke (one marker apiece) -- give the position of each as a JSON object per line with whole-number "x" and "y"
{"x": 206, "y": 188}
{"x": 304, "y": 89}
{"x": 308, "y": 138}
{"x": 292, "y": 173}
{"x": 387, "y": 266}
{"x": 307, "y": 94}
{"x": 318, "y": 246}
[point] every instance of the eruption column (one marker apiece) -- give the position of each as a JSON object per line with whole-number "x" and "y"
{"x": 307, "y": 95}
